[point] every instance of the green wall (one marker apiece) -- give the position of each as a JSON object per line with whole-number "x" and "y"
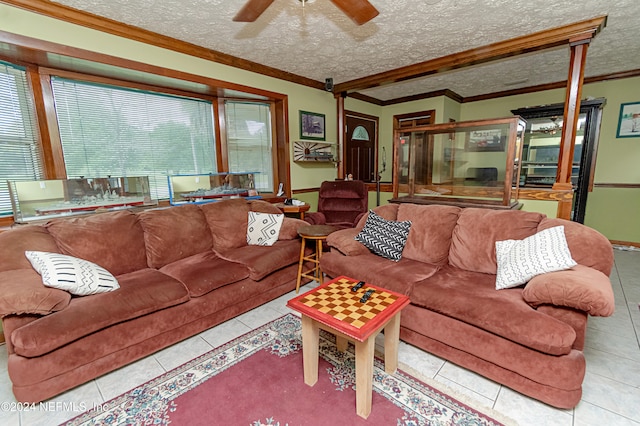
{"x": 613, "y": 211}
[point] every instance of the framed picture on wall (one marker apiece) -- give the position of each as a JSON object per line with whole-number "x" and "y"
{"x": 312, "y": 126}
{"x": 485, "y": 141}
{"x": 629, "y": 120}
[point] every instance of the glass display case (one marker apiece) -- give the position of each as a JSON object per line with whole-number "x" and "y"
{"x": 45, "y": 199}
{"x": 474, "y": 163}
{"x": 206, "y": 188}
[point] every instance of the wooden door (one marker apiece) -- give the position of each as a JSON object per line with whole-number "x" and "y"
{"x": 361, "y": 146}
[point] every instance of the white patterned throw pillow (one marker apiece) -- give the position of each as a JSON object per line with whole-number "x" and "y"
{"x": 77, "y": 276}
{"x": 520, "y": 260}
{"x": 263, "y": 229}
{"x": 385, "y": 238}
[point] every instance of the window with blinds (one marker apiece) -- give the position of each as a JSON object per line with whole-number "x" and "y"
{"x": 19, "y": 149}
{"x": 249, "y": 142}
{"x": 113, "y": 131}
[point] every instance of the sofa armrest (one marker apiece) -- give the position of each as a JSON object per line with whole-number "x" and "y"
{"x": 344, "y": 241}
{"x": 22, "y": 292}
{"x": 289, "y": 229}
{"x": 580, "y": 287}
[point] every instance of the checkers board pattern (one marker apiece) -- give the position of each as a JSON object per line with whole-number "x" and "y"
{"x": 338, "y": 301}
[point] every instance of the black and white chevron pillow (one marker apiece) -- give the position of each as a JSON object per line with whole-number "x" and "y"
{"x": 385, "y": 238}
{"x": 520, "y": 260}
{"x": 263, "y": 229}
{"x": 77, "y": 276}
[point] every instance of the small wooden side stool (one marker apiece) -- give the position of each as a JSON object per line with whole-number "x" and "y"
{"x": 317, "y": 233}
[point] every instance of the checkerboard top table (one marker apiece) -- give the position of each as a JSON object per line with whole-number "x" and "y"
{"x": 336, "y": 305}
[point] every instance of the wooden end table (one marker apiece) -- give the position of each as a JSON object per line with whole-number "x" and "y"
{"x": 336, "y": 308}
{"x": 287, "y": 208}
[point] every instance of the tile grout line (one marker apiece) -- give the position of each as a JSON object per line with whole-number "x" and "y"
{"x": 627, "y": 304}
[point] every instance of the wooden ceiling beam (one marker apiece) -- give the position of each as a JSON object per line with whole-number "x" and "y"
{"x": 542, "y": 40}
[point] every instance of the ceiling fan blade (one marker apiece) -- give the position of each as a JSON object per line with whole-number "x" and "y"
{"x": 252, "y": 10}
{"x": 361, "y": 11}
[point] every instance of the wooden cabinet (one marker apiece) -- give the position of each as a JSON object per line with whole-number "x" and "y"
{"x": 541, "y": 148}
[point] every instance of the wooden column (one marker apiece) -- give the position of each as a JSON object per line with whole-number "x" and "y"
{"x": 341, "y": 131}
{"x": 570, "y": 122}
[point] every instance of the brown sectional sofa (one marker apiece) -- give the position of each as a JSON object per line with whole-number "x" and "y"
{"x": 529, "y": 338}
{"x": 181, "y": 270}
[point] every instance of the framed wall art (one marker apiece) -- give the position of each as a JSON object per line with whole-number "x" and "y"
{"x": 485, "y": 141}
{"x": 629, "y": 120}
{"x": 312, "y": 126}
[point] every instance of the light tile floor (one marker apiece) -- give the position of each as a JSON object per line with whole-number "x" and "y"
{"x": 611, "y": 391}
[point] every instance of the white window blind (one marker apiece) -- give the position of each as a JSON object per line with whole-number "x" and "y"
{"x": 20, "y": 157}
{"x": 113, "y": 131}
{"x": 249, "y": 141}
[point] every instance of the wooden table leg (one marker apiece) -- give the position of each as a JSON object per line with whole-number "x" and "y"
{"x": 391, "y": 341}
{"x": 300, "y": 263}
{"x": 341, "y": 343}
{"x": 364, "y": 376}
{"x": 318, "y": 255}
{"x": 310, "y": 349}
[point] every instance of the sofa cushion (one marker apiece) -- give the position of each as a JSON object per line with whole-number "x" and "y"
{"x": 263, "y": 260}
{"x": 227, "y": 221}
{"x": 263, "y": 229}
{"x": 263, "y": 207}
{"x": 289, "y": 229}
{"x": 520, "y": 260}
{"x": 140, "y": 292}
{"x": 204, "y": 272}
{"x": 580, "y": 287}
{"x": 431, "y": 228}
{"x": 14, "y": 242}
{"x": 386, "y": 211}
{"x": 471, "y": 297}
{"x": 174, "y": 233}
{"x": 396, "y": 276}
{"x": 477, "y": 230}
{"x": 114, "y": 240}
{"x": 77, "y": 276}
{"x": 22, "y": 292}
{"x": 385, "y": 238}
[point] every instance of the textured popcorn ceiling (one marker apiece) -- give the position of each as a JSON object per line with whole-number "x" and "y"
{"x": 319, "y": 41}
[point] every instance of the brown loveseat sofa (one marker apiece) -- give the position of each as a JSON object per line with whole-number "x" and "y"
{"x": 181, "y": 270}
{"x": 529, "y": 338}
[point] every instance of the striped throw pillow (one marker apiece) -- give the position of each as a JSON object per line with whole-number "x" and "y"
{"x": 77, "y": 276}
{"x": 385, "y": 238}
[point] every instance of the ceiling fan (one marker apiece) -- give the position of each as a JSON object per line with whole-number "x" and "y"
{"x": 360, "y": 11}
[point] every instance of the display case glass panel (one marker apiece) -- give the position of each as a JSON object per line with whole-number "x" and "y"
{"x": 470, "y": 162}
{"x": 45, "y": 199}
{"x": 542, "y": 149}
{"x": 211, "y": 187}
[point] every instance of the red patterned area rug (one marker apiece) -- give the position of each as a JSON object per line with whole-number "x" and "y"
{"x": 257, "y": 380}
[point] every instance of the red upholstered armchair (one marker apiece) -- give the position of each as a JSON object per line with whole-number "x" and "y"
{"x": 341, "y": 203}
